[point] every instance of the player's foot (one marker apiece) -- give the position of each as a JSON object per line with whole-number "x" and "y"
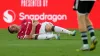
{"x": 73, "y": 33}
{"x": 93, "y": 45}
{"x": 85, "y": 48}
{"x": 58, "y": 36}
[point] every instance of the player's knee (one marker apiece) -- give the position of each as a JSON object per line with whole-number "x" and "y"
{"x": 53, "y": 28}
{"x": 48, "y": 27}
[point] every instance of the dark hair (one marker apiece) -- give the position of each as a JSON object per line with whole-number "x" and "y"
{"x": 10, "y": 30}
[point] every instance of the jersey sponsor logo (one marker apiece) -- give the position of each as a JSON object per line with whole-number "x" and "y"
{"x": 9, "y": 16}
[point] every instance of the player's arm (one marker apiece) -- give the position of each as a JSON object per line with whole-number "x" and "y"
{"x": 32, "y": 33}
{"x": 30, "y": 37}
{"x": 34, "y": 21}
{"x": 34, "y": 24}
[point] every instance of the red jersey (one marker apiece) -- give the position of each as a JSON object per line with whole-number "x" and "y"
{"x": 26, "y": 28}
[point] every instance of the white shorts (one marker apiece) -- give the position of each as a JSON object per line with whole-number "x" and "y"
{"x": 42, "y": 29}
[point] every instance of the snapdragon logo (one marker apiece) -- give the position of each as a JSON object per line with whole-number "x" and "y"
{"x": 43, "y": 16}
{"x": 9, "y": 16}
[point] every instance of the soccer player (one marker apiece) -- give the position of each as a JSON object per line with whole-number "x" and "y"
{"x": 32, "y": 29}
{"x": 83, "y": 8}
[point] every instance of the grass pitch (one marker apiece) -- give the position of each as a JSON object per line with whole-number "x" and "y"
{"x": 11, "y": 46}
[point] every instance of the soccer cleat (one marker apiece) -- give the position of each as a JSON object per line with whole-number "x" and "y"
{"x": 73, "y": 33}
{"x": 58, "y": 36}
{"x": 93, "y": 45}
{"x": 85, "y": 48}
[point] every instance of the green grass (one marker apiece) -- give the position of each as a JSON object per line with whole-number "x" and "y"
{"x": 11, "y": 46}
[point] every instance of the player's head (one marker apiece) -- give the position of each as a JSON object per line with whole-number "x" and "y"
{"x": 13, "y": 28}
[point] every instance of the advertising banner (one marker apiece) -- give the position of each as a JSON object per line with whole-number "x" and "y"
{"x": 59, "y": 12}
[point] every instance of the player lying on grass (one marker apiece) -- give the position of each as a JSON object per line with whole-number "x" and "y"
{"x": 32, "y": 29}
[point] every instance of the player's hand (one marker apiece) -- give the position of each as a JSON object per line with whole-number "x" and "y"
{"x": 35, "y": 23}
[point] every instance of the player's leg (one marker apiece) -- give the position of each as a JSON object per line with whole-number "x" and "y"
{"x": 83, "y": 31}
{"x": 88, "y": 22}
{"x": 90, "y": 28}
{"x": 92, "y": 34}
{"x": 82, "y": 10}
{"x": 46, "y": 36}
{"x": 50, "y": 27}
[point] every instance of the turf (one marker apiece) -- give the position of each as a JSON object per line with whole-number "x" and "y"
{"x": 11, "y": 46}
